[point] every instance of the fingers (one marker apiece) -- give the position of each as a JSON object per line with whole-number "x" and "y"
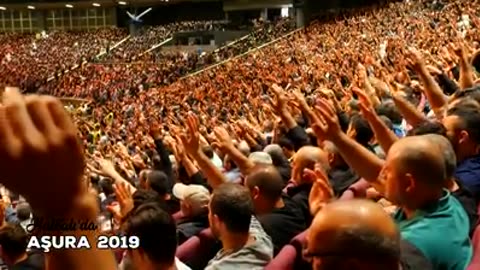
{"x": 40, "y": 114}
{"x": 17, "y": 113}
{"x": 8, "y": 141}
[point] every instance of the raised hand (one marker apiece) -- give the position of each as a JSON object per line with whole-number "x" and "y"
{"x": 415, "y": 58}
{"x": 364, "y": 102}
{"x": 125, "y": 200}
{"x": 191, "y": 140}
{"x": 321, "y": 192}
{"x": 40, "y": 153}
{"x": 280, "y": 101}
{"x": 328, "y": 127}
{"x": 224, "y": 139}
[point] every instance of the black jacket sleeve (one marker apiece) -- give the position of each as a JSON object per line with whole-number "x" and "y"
{"x": 165, "y": 159}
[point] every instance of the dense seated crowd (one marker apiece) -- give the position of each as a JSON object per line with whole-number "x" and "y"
{"x": 351, "y": 144}
{"x": 47, "y": 54}
{"x": 151, "y": 36}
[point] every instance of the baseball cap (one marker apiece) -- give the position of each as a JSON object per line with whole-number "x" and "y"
{"x": 197, "y": 195}
{"x": 261, "y": 158}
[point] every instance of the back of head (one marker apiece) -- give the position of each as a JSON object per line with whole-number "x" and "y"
{"x": 106, "y": 185}
{"x": 360, "y": 231}
{"x": 446, "y": 151}
{"x": 233, "y": 206}
{"x": 158, "y": 182}
{"x": 428, "y": 127}
{"x": 390, "y": 110}
{"x": 268, "y": 181}
{"x": 208, "y": 151}
{"x": 156, "y": 231}
{"x": 276, "y": 152}
{"x": 363, "y": 131}
{"x": 24, "y": 211}
{"x": 306, "y": 158}
{"x": 414, "y": 156}
{"x": 14, "y": 241}
{"x": 143, "y": 196}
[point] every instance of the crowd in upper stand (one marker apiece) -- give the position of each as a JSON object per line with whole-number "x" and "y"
{"x": 353, "y": 143}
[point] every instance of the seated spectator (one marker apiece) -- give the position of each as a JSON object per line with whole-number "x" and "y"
{"x": 158, "y": 182}
{"x": 24, "y": 214}
{"x": 413, "y": 177}
{"x": 305, "y": 158}
{"x": 13, "y": 242}
{"x": 280, "y": 161}
{"x": 359, "y": 235}
{"x": 280, "y": 216}
{"x": 462, "y": 124}
{"x": 158, "y": 238}
{"x": 245, "y": 243}
{"x": 194, "y": 201}
{"x": 341, "y": 176}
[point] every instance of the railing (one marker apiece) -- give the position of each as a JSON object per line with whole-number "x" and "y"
{"x": 154, "y": 47}
{"x": 243, "y": 54}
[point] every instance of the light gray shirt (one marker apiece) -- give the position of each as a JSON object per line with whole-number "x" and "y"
{"x": 252, "y": 256}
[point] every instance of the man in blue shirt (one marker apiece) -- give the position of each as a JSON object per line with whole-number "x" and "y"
{"x": 463, "y": 129}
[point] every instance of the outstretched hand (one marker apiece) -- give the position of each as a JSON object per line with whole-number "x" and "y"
{"x": 328, "y": 127}
{"x": 224, "y": 139}
{"x": 321, "y": 192}
{"x": 125, "y": 200}
{"x": 191, "y": 140}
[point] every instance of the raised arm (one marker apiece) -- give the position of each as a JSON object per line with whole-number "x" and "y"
{"x": 360, "y": 159}
{"x": 191, "y": 142}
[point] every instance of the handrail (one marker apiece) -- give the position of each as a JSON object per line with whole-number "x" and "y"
{"x": 232, "y": 43}
{"x": 243, "y": 54}
{"x": 156, "y": 46}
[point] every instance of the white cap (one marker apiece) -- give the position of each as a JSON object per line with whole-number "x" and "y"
{"x": 196, "y": 195}
{"x": 261, "y": 158}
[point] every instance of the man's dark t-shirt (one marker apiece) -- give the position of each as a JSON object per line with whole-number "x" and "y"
{"x": 411, "y": 258}
{"x": 341, "y": 179}
{"x": 283, "y": 224}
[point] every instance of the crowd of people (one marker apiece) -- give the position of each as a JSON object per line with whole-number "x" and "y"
{"x": 357, "y": 136}
{"x": 154, "y": 35}
{"x": 49, "y": 53}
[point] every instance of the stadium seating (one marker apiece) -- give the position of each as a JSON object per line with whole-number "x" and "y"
{"x": 285, "y": 259}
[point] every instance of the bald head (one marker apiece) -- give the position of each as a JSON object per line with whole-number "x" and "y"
{"x": 307, "y": 156}
{"x": 355, "y": 227}
{"x": 419, "y": 157}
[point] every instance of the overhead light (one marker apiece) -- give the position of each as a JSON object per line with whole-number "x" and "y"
{"x": 30, "y": 7}
{"x": 123, "y": 3}
{"x": 96, "y": 4}
{"x": 68, "y": 6}
{"x": 3, "y": 8}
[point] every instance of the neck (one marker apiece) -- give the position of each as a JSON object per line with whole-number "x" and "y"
{"x": 428, "y": 199}
{"x": 232, "y": 242}
{"x": 279, "y": 204}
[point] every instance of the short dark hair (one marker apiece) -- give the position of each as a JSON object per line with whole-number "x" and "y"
{"x": 156, "y": 230}
{"x": 472, "y": 93}
{"x": 24, "y": 211}
{"x": 143, "y": 196}
{"x": 159, "y": 182}
{"x": 233, "y": 205}
{"x": 106, "y": 185}
{"x": 470, "y": 116}
{"x": 208, "y": 151}
{"x": 14, "y": 241}
{"x": 267, "y": 179}
{"x": 363, "y": 130}
{"x": 390, "y": 111}
{"x": 428, "y": 127}
{"x": 286, "y": 143}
